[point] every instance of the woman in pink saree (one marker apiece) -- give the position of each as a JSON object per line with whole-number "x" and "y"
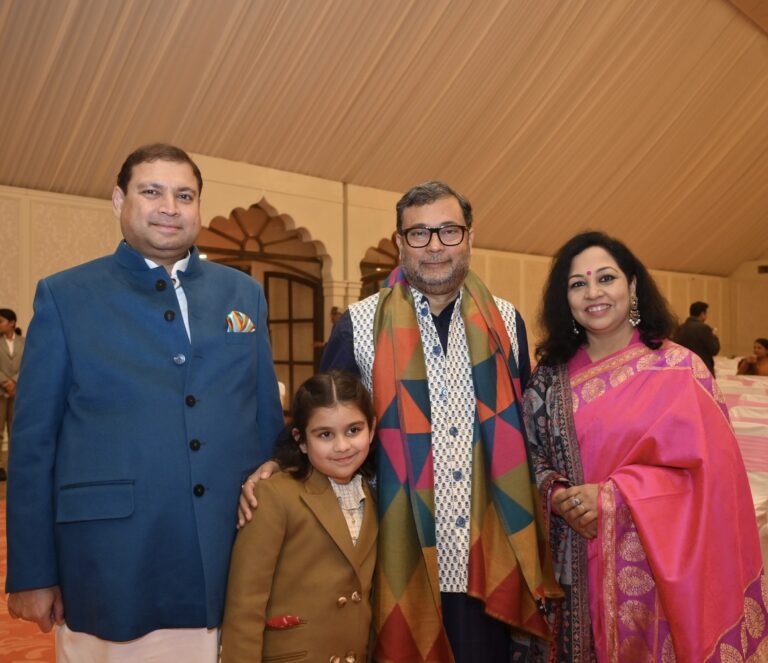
{"x": 649, "y": 513}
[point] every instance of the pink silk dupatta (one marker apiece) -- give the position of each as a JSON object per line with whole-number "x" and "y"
{"x": 675, "y": 573}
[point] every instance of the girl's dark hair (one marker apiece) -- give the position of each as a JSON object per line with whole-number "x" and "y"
{"x": 763, "y": 342}
{"x": 560, "y": 342}
{"x": 322, "y": 390}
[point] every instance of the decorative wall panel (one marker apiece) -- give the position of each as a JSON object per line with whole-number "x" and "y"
{"x": 10, "y": 254}
{"x": 63, "y": 236}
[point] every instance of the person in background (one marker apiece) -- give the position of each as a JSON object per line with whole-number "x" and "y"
{"x": 336, "y": 314}
{"x": 696, "y": 335}
{"x": 301, "y": 573}
{"x": 461, "y": 559}
{"x": 11, "y": 350}
{"x": 649, "y": 512}
{"x": 146, "y": 396}
{"x": 757, "y": 362}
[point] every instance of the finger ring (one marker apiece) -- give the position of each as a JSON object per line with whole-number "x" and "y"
{"x": 575, "y": 501}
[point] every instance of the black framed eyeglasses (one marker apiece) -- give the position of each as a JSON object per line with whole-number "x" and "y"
{"x": 418, "y": 238}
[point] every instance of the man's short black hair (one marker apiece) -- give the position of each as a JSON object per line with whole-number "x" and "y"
{"x": 426, "y": 194}
{"x": 697, "y": 308}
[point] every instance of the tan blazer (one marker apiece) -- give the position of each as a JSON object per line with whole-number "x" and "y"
{"x": 9, "y": 366}
{"x": 296, "y": 558}
{"x": 9, "y": 370}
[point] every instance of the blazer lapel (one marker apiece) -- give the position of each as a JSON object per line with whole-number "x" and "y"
{"x": 321, "y": 500}
{"x": 370, "y": 527}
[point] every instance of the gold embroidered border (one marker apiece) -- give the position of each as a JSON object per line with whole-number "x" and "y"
{"x": 607, "y": 525}
{"x": 726, "y": 652}
{"x": 609, "y": 364}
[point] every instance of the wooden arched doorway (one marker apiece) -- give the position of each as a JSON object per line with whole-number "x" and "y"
{"x": 265, "y": 246}
{"x": 376, "y": 265}
{"x": 295, "y": 325}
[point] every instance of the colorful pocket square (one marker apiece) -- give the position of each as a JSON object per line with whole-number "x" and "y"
{"x": 239, "y": 322}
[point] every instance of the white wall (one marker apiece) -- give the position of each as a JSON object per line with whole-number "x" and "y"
{"x": 42, "y": 233}
{"x": 748, "y": 294}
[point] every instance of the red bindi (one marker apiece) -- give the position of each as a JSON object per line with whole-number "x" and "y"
{"x": 589, "y": 273}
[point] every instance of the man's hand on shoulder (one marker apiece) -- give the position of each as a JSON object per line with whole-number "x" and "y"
{"x": 247, "y": 499}
{"x": 43, "y": 606}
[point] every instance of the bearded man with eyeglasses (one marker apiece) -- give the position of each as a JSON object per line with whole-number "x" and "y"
{"x": 461, "y": 559}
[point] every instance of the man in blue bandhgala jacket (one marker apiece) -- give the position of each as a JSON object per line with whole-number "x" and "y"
{"x": 147, "y": 394}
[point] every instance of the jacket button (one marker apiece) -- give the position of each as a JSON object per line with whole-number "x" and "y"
{"x": 341, "y": 601}
{"x": 190, "y": 400}
{"x": 199, "y": 490}
{"x": 160, "y": 284}
{"x": 351, "y": 657}
{"x": 194, "y": 445}
{"x": 179, "y": 359}
{"x": 356, "y": 598}
{"x": 169, "y": 315}
{"x": 334, "y": 659}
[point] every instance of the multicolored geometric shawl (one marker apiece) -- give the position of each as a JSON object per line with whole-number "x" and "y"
{"x": 508, "y": 567}
{"x": 676, "y": 571}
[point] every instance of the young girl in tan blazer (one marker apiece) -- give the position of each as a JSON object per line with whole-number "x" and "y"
{"x": 300, "y": 578}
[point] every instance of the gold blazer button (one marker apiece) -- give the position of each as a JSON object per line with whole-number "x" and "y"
{"x": 341, "y": 601}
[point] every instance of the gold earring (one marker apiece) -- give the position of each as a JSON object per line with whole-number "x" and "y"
{"x": 634, "y": 311}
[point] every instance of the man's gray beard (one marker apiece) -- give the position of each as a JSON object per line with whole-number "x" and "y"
{"x": 443, "y": 286}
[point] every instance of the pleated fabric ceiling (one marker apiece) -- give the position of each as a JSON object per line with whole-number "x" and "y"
{"x": 645, "y": 118}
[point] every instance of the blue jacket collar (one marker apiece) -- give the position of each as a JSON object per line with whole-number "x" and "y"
{"x": 131, "y": 259}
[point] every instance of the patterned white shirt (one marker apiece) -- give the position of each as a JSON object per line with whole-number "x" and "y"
{"x": 452, "y": 405}
{"x": 179, "y": 266}
{"x": 351, "y": 500}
